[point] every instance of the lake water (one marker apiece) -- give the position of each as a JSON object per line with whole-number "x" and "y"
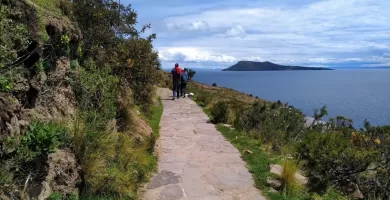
{"x": 356, "y": 94}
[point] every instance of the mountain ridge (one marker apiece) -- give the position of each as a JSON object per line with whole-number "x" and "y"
{"x": 267, "y": 66}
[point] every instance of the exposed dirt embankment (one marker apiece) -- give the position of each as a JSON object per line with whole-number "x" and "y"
{"x": 40, "y": 94}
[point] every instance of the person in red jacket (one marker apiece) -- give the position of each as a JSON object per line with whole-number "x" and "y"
{"x": 176, "y": 80}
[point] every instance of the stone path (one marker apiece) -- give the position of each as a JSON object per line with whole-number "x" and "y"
{"x": 195, "y": 161}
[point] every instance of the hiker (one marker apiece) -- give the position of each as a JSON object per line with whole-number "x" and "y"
{"x": 176, "y": 80}
{"x": 184, "y": 78}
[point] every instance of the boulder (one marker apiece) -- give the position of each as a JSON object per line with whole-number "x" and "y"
{"x": 357, "y": 194}
{"x": 276, "y": 184}
{"x": 276, "y": 169}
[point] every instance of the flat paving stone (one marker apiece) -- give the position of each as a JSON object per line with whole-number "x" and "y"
{"x": 195, "y": 161}
{"x": 171, "y": 192}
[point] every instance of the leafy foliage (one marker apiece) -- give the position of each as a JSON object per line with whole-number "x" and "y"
{"x": 276, "y": 125}
{"x": 5, "y": 83}
{"x": 220, "y": 112}
{"x": 39, "y": 140}
{"x": 63, "y": 46}
{"x": 26, "y": 154}
{"x": 333, "y": 158}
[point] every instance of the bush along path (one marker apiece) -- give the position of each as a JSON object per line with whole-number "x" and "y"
{"x": 195, "y": 161}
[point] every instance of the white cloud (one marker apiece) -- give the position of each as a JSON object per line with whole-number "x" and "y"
{"x": 188, "y": 54}
{"x": 235, "y": 31}
{"x": 199, "y": 25}
{"x": 327, "y": 31}
{"x": 377, "y": 65}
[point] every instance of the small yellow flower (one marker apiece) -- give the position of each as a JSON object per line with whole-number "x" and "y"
{"x": 353, "y": 134}
{"x": 378, "y": 141}
{"x": 130, "y": 62}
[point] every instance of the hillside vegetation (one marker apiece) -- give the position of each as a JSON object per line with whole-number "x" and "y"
{"x": 77, "y": 99}
{"x": 340, "y": 161}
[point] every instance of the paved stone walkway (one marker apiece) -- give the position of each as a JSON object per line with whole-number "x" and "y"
{"x": 195, "y": 161}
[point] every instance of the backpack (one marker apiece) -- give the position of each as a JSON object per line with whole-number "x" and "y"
{"x": 184, "y": 77}
{"x": 176, "y": 73}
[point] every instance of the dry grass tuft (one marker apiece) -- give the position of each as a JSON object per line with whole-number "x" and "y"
{"x": 290, "y": 167}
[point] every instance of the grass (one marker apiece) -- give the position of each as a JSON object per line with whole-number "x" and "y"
{"x": 290, "y": 167}
{"x": 154, "y": 121}
{"x": 257, "y": 161}
{"x": 52, "y": 5}
{"x": 120, "y": 162}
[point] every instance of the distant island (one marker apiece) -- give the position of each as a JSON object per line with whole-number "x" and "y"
{"x": 267, "y": 66}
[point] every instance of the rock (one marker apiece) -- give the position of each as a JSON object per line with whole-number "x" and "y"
{"x": 163, "y": 178}
{"x": 171, "y": 192}
{"x": 15, "y": 126}
{"x": 9, "y": 109}
{"x": 302, "y": 180}
{"x": 20, "y": 82}
{"x": 276, "y": 169}
{"x": 38, "y": 81}
{"x": 276, "y": 184}
{"x": 357, "y": 194}
{"x": 23, "y": 123}
{"x": 247, "y": 151}
{"x": 227, "y": 125}
{"x": 272, "y": 190}
{"x": 61, "y": 177}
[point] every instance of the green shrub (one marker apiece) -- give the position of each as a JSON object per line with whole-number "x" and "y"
{"x": 96, "y": 92}
{"x": 253, "y": 116}
{"x": 63, "y": 46}
{"x": 220, "y": 112}
{"x": 275, "y": 125}
{"x": 39, "y": 66}
{"x": 5, "y": 83}
{"x": 41, "y": 139}
{"x": 79, "y": 52}
{"x": 44, "y": 38}
{"x": 214, "y": 85}
{"x": 6, "y": 176}
{"x": 26, "y": 154}
{"x": 334, "y": 158}
{"x": 330, "y": 194}
{"x": 203, "y": 98}
{"x": 74, "y": 64}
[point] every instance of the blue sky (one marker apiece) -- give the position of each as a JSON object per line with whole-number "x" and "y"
{"x": 217, "y": 34}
